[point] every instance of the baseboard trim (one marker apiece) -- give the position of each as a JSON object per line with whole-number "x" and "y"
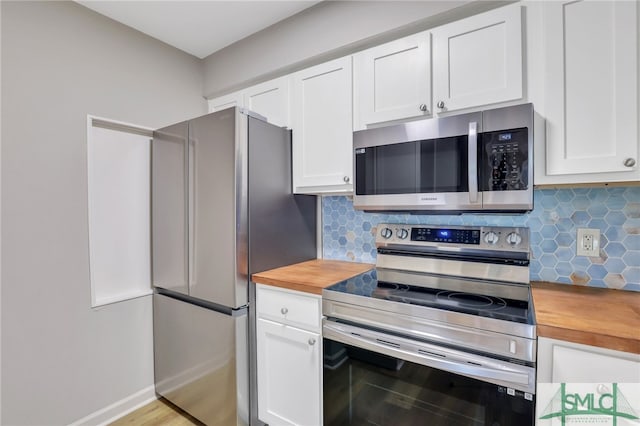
{"x": 118, "y": 409}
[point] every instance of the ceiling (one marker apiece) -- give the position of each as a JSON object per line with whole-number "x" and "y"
{"x": 198, "y": 27}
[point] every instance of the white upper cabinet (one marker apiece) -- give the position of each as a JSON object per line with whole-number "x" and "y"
{"x": 227, "y": 101}
{"x": 590, "y": 50}
{"x": 478, "y": 60}
{"x": 321, "y": 119}
{"x": 270, "y": 99}
{"x": 393, "y": 81}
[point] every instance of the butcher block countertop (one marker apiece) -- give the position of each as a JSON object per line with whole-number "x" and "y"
{"x": 311, "y": 276}
{"x": 592, "y": 316}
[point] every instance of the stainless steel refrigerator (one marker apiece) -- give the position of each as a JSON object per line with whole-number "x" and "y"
{"x": 222, "y": 209}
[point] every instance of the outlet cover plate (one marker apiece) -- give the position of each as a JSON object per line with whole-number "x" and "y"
{"x": 588, "y": 242}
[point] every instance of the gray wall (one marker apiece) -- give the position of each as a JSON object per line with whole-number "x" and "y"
{"x": 328, "y": 30}
{"x": 61, "y": 360}
{"x": 0, "y": 219}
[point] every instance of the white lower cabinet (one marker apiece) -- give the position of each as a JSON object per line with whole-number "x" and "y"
{"x": 289, "y": 354}
{"x": 573, "y": 376}
{"x": 560, "y": 361}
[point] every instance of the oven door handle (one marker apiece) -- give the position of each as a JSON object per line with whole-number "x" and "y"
{"x": 428, "y": 355}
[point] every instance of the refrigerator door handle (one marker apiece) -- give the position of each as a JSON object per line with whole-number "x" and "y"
{"x": 191, "y": 223}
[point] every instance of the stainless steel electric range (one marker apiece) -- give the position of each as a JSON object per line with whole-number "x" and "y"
{"x": 441, "y": 332}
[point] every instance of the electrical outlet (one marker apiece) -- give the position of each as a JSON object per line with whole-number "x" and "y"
{"x": 588, "y": 242}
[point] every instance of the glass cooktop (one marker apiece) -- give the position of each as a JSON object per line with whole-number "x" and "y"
{"x": 472, "y": 303}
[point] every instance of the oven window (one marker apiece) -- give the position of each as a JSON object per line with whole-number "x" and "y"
{"x": 366, "y": 388}
{"x": 426, "y": 166}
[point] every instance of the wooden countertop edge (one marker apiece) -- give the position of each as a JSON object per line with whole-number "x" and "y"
{"x": 593, "y": 339}
{"x": 281, "y": 277}
{"x": 292, "y": 286}
{"x": 564, "y": 312}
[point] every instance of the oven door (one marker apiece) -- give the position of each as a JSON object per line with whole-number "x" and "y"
{"x": 375, "y": 378}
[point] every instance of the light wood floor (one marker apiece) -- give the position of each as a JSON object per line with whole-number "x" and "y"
{"x": 159, "y": 412}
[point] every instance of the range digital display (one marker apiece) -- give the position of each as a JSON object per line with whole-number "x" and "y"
{"x": 445, "y": 235}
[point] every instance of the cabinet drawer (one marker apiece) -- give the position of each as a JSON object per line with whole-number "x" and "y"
{"x": 288, "y": 307}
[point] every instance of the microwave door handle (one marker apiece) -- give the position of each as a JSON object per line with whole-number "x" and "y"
{"x": 473, "y": 162}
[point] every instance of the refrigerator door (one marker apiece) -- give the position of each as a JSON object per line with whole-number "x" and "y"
{"x": 217, "y": 229}
{"x": 169, "y": 208}
{"x": 282, "y": 226}
{"x": 201, "y": 361}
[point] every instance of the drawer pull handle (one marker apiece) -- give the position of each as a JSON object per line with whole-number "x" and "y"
{"x": 284, "y": 311}
{"x": 312, "y": 341}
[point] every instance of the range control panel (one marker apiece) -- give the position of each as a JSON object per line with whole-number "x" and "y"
{"x": 446, "y": 235}
{"x": 480, "y": 237}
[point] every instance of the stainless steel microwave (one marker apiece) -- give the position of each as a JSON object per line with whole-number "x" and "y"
{"x": 475, "y": 162}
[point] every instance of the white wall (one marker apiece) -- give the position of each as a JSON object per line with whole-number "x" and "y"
{"x": 326, "y": 31}
{"x": 61, "y": 360}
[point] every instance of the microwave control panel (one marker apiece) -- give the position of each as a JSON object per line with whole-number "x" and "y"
{"x": 506, "y": 168}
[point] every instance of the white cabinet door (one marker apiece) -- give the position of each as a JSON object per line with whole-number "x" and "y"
{"x": 226, "y": 101}
{"x": 566, "y": 362}
{"x": 270, "y": 99}
{"x": 289, "y": 375}
{"x": 586, "y": 371}
{"x": 321, "y": 119}
{"x": 478, "y": 60}
{"x": 393, "y": 81}
{"x": 591, "y": 91}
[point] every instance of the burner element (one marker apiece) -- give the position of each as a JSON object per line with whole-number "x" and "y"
{"x": 470, "y": 300}
{"x": 484, "y": 305}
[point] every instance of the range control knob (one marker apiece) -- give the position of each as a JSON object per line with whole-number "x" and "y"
{"x": 491, "y": 238}
{"x": 514, "y": 239}
{"x": 402, "y": 233}
{"x": 386, "y": 233}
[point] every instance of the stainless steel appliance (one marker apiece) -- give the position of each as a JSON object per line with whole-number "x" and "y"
{"x": 441, "y": 332}
{"x": 222, "y": 209}
{"x": 480, "y": 161}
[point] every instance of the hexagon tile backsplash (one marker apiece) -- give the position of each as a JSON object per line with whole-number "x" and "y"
{"x": 349, "y": 234}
